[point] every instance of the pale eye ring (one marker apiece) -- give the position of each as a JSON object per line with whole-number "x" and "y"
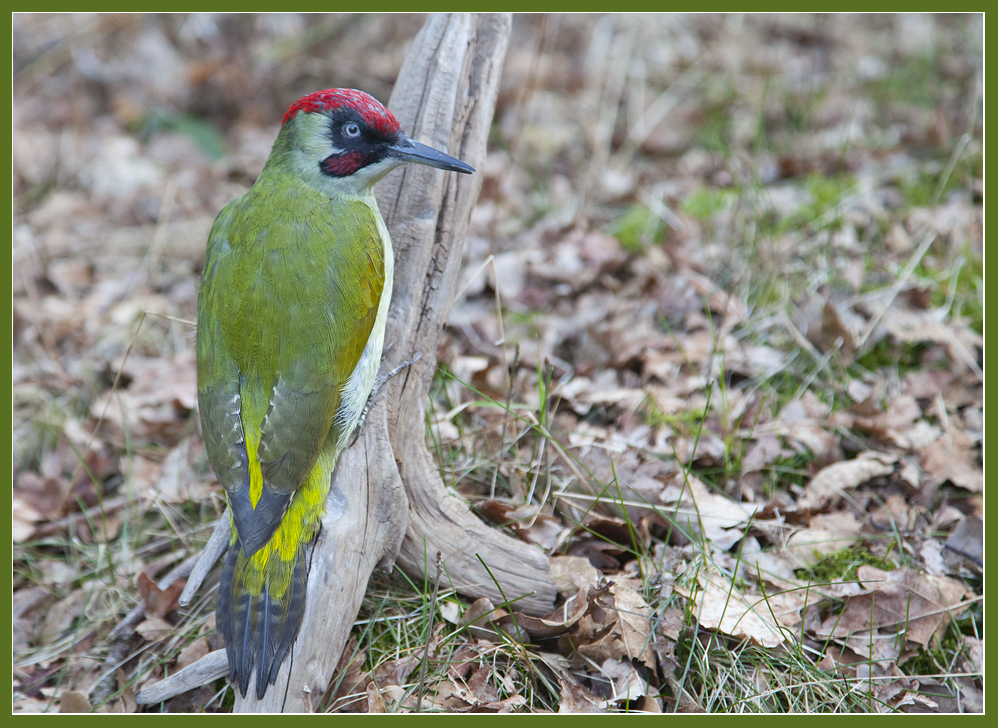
{"x": 351, "y": 129}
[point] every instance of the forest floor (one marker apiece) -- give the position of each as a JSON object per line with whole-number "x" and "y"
{"x": 718, "y": 352}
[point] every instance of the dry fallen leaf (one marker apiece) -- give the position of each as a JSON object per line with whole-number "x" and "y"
{"x": 672, "y": 623}
{"x": 900, "y": 690}
{"x": 576, "y": 699}
{"x": 594, "y": 599}
{"x": 897, "y": 607}
{"x": 45, "y": 496}
{"x": 718, "y": 604}
{"x": 952, "y": 458}
{"x": 482, "y": 619}
{"x": 717, "y": 518}
{"x": 353, "y": 679}
{"x": 527, "y": 522}
{"x": 142, "y": 472}
{"x": 967, "y": 539}
{"x": 905, "y": 697}
{"x": 755, "y": 563}
{"x": 375, "y": 698}
{"x": 193, "y": 652}
{"x": 104, "y": 529}
{"x": 124, "y": 702}
{"x": 159, "y": 602}
{"x": 72, "y": 701}
{"x": 156, "y": 405}
{"x": 26, "y": 604}
{"x": 634, "y": 624}
{"x": 805, "y": 425}
{"x": 763, "y": 452}
{"x": 21, "y": 704}
{"x": 154, "y": 629}
{"x": 921, "y": 604}
{"x": 571, "y": 573}
{"x": 831, "y": 482}
{"x": 505, "y": 705}
{"x": 23, "y": 520}
{"x": 626, "y": 682}
{"x": 178, "y": 482}
{"x": 61, "y": 615}
{"x": 480, "y": 696}
{"x": 960, "y": 341}
{"x": 443, "y": 696}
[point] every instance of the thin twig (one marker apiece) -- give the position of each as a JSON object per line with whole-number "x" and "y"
{"x": 217, "y": 543}
{"x": 47, "y": 529}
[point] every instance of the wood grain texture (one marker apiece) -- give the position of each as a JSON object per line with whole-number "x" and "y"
{"x": 445, "y": 96}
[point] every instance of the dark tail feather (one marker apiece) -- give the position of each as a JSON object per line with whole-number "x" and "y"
{"x": 258, "y": 628}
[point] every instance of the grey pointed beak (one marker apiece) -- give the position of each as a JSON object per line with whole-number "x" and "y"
{"x": 412, "y": 151}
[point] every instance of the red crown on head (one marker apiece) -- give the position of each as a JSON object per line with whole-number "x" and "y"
{"x": 370, "y": 109}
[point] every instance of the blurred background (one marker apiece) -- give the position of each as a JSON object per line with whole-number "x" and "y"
{"x": 743, "y": 247}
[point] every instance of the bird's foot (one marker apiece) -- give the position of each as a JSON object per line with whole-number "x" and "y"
{"x": 379, "y": 382}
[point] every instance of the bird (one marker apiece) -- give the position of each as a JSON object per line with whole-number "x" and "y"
{"x": 294, "y": 296}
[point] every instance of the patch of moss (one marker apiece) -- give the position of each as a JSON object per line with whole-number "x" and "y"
{"x": 842, "y": 565}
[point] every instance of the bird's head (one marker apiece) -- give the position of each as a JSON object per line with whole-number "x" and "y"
{"x": 343, "y": 141}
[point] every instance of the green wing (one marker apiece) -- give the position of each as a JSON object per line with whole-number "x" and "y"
{"x": 287, "y": 304}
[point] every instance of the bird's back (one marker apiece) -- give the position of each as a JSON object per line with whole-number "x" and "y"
{"x": 288, "y": 306}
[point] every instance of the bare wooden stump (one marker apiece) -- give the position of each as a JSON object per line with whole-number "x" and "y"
{"x": 445, "y": 96}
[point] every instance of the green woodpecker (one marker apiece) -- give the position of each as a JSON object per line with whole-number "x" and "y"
{"x": 291, "y": 322}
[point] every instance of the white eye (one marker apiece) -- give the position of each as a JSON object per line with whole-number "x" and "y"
{"x": 351, "y": 130}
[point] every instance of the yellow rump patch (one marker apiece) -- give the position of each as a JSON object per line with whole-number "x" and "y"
{"x": 300, "y": 522}
{"x": 256, "y": 475}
